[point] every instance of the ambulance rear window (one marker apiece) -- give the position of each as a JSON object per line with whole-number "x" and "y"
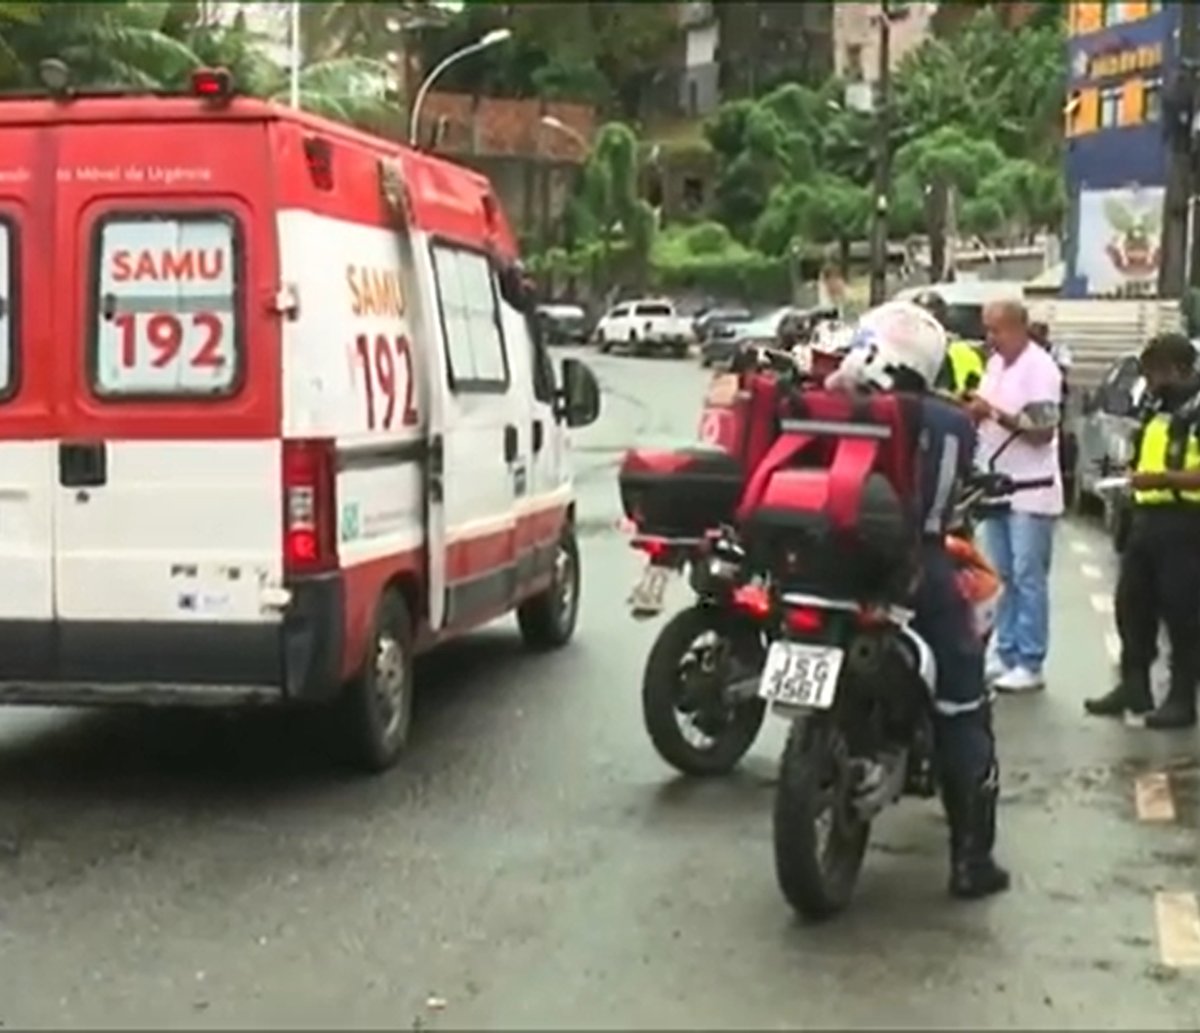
{"x": 167, "y": 311}
{"x": 8, "y": 301}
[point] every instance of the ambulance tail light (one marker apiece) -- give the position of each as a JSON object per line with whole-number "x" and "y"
{"x": 212, "y": 84}
{"x": 309, "y": 524}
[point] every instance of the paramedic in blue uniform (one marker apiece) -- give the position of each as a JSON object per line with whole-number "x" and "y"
{"x": 901, "y": 347}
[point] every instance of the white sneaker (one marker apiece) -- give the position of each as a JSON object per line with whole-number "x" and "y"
{"x": 1019, "y": 680}
{"x": 995, "y": 669}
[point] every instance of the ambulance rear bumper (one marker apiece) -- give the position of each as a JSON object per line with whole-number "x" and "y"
{"x": 194, "y": 664}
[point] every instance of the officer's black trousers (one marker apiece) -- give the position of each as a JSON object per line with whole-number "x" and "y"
{"x": 1160, "y": 582}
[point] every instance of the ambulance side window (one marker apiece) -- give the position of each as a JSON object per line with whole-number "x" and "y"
{"x": 167, "y": 310}
{"x": 8, "y": 303}
{"x": 521, "y": 331}
{"x": 469, "y": 304}
{"x": 544, "y": 382}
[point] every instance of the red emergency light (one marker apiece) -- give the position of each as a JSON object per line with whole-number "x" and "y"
{"x": 212, "y": 83}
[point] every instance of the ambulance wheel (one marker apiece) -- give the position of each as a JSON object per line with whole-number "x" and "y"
{"x": 548, "y": 620}
{"x": 378, "y": 703}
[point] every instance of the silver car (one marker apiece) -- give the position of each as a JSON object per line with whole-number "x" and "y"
{"x": 1105, "y": 440}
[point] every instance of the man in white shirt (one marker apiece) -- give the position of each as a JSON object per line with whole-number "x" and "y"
{"x": 1021, "y": 393}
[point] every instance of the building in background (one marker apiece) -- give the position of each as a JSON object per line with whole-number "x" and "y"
{"x": 1118, "y": 56}
{"x": 700, "y": 83}
{"x": 763, "y": 43}
{"x": 856, "y": 37}
{"x": 951, "y": 15}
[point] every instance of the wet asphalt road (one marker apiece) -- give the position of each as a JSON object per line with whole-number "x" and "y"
{"x": 532, "y": 864}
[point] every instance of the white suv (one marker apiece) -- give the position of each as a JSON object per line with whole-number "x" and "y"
{"x": 644, "y": 327}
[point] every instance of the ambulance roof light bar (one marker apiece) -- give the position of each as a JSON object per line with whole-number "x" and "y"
{"x": 212, "y": 84}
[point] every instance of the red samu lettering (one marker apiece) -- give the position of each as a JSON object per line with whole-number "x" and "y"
{"x": 158, "y": 265}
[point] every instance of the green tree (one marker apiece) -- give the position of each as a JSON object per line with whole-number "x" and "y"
{"x": 157, "y": 46}
{"x": 827, "y": 210}
{"x": 607, "y": 53}
{"x": 104, "y": 43}
{"x": 994, "y": 83}
{"x": 609, "y": 208}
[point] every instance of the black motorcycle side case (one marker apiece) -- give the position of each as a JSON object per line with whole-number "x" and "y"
{"x": 679, "y": 493}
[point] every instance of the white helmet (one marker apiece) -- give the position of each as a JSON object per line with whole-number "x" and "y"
{"x": 896, "y": 336}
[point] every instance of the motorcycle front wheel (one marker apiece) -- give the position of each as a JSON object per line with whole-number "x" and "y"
{"x": 683, "y": 690}
{"x": 819, "y": 840}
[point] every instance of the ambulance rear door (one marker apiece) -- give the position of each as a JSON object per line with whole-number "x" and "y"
{"x": 27, "y": 369}
{"x": 167, "y": 514}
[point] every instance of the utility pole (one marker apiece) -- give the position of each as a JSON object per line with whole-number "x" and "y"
{"x": 883, "y": 158}
{"x": 1181, "y": 111}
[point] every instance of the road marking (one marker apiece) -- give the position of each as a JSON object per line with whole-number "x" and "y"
{"x": 1152, "y": 793}
{"x": 1092, "y": 571}
{"x": 1112, "y": 643}
{"x": 1082, "y": 548}
{"x": 1178, "y": 918}
{"x": 1102, "y": 603}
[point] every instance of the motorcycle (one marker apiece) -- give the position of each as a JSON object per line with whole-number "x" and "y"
{"x": 700, "y": 702}
{"x": 857, "y": 682}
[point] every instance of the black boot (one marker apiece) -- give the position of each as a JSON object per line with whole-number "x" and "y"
{"x": 1131, "y": 694}
{"x": 1178, "y": 710}
{"x": 971, "y": 811}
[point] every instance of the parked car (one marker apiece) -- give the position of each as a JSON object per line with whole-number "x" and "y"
{"x": 719, "y": 351}
{"x": 719, "y": 322}
{"x": 1105, "y": 441}
{"x": 645, "y": 326}
{"x": 965, "y": 301}
{"x": 562, "y": 324}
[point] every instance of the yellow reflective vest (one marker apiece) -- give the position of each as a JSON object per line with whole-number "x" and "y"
{"x": 1168, "y": 441}
{"x": 965, "y": 364}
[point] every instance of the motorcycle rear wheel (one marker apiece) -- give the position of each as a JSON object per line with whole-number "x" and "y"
{"x": 732, "y": 727}
{"x": 819, "y": 840}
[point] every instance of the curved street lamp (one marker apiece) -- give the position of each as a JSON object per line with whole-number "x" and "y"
{"x": 490, "y": 39}
{"x": 550, "y": 122}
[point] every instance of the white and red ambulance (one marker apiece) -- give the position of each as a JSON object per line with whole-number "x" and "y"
{"x": 273, "y": 416}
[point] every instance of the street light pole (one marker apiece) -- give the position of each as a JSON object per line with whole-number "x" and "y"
{"x": 883, "y": 160}
{"x": 295, "y": 54}
{"x": 489, "y": 40}
{"x": 550, "y": 122}
{"x": 1181, "y": 108}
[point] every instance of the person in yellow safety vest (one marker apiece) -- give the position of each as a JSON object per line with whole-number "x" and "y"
{"x": 1160, "y": 567}
{"x": 962, "y": 371}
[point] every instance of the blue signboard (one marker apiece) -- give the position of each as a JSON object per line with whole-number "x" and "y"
{"x": 1105, "y": 162}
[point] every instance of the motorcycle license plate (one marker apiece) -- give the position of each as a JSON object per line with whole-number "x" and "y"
{"x": 648, "y": 596}
{"x": 800, "y": 675}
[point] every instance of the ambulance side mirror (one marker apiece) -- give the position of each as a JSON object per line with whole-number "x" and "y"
{"x": 579, "y": 397}
{"x": 516, "y": 290}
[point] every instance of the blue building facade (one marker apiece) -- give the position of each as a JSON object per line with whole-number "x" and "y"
{"x": 1120, "y": 56}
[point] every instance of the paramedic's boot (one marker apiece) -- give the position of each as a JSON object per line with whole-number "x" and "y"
{"x": 971, "y": 812}
{"x": 1178, "y": 710}
{"x": 1132, "y": 694}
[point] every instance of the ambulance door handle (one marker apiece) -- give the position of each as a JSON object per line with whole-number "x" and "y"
{"x": 82, "y": 464}
{"x": 510, "y": 444}
{"x": 436, "y": 469}
{"x": 539, "y": 436}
